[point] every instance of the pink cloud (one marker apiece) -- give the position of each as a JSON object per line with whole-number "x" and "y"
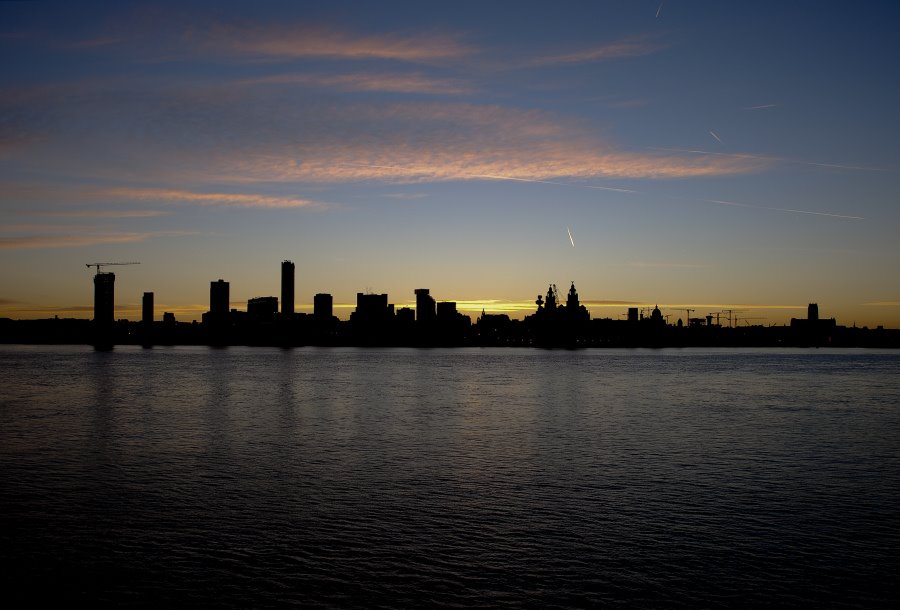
{"x": 627, "y": 47}
{"x": 392, "y": 83}
{"x": 303, "y": 40}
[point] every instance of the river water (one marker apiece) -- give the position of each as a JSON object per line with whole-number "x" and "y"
{"x": 256, "y": 477}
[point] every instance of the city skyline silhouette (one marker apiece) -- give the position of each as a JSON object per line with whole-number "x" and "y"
{"x": 558, "y": 320}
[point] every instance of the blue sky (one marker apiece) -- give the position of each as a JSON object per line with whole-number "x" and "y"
{"x": 704, "y": 155}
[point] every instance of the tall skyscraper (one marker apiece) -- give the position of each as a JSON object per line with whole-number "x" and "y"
{"x": 287, "y": 288}
{"x": 104, "y": 298}
{"x": 147, "y": 309}
{"x": 219, "y": 297}
{"x": 425, "y": 306}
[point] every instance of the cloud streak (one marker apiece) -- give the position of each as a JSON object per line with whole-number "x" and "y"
{"x": 245, "y": 135}
{"x": 773, "y": 158}
{"x": 74, "y": 241}
{"x": 627, "y": 47}
{"x": 667, "y": 265}
{"x": 240, "y": 200}
{"x": 101, "y": 213}
{"x": 370, "y": 82}
{"x": 300, "y": 40}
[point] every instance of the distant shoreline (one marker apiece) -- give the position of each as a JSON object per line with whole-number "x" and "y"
{"x": 488, "y": 331}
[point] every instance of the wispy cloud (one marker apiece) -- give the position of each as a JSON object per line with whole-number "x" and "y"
{"x": 69, "y": 241}
{"x": 627, "y": 47}
{"x": 241, "y": 200}
{"x": 244, "y": 135}
{"x": 611, "y": 303}
{"x": 37, "y": 310}
{"x": 122, "y": 194}
{"x": 883, "y": 304}
{"x": 555, "y": 183}
{"x": 668, "y": 265}
{"x": 304, "y": 40}
{"x": 100, "y": 213}
{"x": 370, "y": 82}
{"x": 405, "y": 196}
{"x": 773, "y": 158}
{"x": 495, "y": 306}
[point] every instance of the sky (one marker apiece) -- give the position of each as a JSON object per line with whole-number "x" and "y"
{"x": 695, "y": 155}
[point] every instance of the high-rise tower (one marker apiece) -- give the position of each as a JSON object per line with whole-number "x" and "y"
{"x": 425, "y": 306}
{"x": 812, "y": 312}
{"x": 322, "y": 307}
{"x": 219, "y": 297}
{"x": 287, "y": 288}
{"x": 104, "y": 298}
{"x": 147, "y": 309}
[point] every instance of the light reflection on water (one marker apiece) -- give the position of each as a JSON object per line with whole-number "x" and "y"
{"x": 259, "y": 477}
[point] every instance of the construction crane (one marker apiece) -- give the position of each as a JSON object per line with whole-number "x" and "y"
{"x": 98, "y": 265}
{"x": 730, "y": 315}
{"x": 744, "y": 320}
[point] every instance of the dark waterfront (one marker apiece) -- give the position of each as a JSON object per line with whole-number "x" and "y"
{"x": 263, "y": 477}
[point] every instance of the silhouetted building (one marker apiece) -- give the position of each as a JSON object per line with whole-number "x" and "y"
{"x": 572, "y": 300}
{"x": 575, "y": 311}
{"x": 550, "y": 302}
{"x": 168, "y": 318}
{"x": 147, "y": 309}
{"x": 219, "y": 298}
{"x": 104, "y": 298}
{"x": 405, "y": 317}
{"x": 632, "y": 314}
{"x": 372, "y": 308}
{"x": 323, "y": 306}
{"x": 262, "y": 308}
{"x": 287, "y": 288}
{"x": 425, "y": 306}
{"x": 446, "y": 311}
{"x": 813, "y": 330}
{"x": 493, "y": 329}
{"x": 656, "y": 317}
{"x": 145, "y": 331}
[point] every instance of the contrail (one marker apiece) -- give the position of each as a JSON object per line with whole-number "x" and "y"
{"x": 760, "y": 107}
{"x": 713, "y": 134}
{"x": 790, "y": 210}
{"x": 570, "y": 236}
{"x": 660, "y": 8}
